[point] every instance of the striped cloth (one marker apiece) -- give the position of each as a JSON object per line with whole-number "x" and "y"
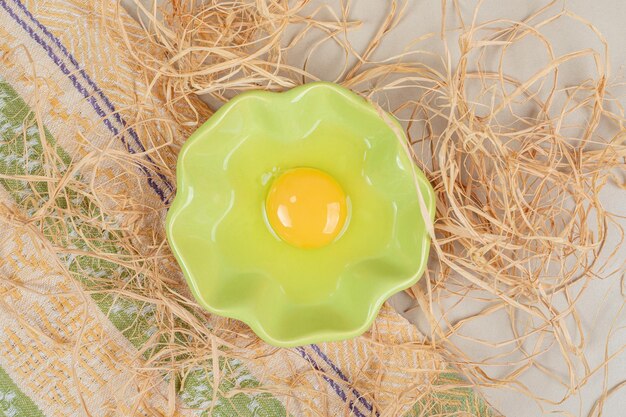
{"x": 69, "y": 100}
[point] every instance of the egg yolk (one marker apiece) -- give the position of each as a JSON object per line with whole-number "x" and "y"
{"x": 306, "y": 207}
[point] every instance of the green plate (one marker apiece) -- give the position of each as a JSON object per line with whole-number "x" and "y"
{"x": 237, "y": 267}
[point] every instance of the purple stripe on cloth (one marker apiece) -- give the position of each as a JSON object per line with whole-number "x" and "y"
{"x": 341, "y": 375}
{"x": 91, "y": 83}
{"x": 340, "y": 392}
{"x": 57, "y": 60}
{"x": 80, "y": 88}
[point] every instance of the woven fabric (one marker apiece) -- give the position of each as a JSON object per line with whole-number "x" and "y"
{"x": 67, "y": 348}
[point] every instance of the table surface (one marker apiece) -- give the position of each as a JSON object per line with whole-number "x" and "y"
{"x": 602, "y": 302}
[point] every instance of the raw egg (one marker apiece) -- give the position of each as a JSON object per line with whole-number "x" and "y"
{"x": 306, "y": 207}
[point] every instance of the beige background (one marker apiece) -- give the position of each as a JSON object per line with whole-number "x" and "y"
{"x": 603, "y": 300}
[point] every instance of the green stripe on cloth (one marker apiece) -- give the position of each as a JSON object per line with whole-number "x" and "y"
{"x": 13, "y": 402}
{"x": 21, "y": 154}
{"x": 461, "y": 401}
